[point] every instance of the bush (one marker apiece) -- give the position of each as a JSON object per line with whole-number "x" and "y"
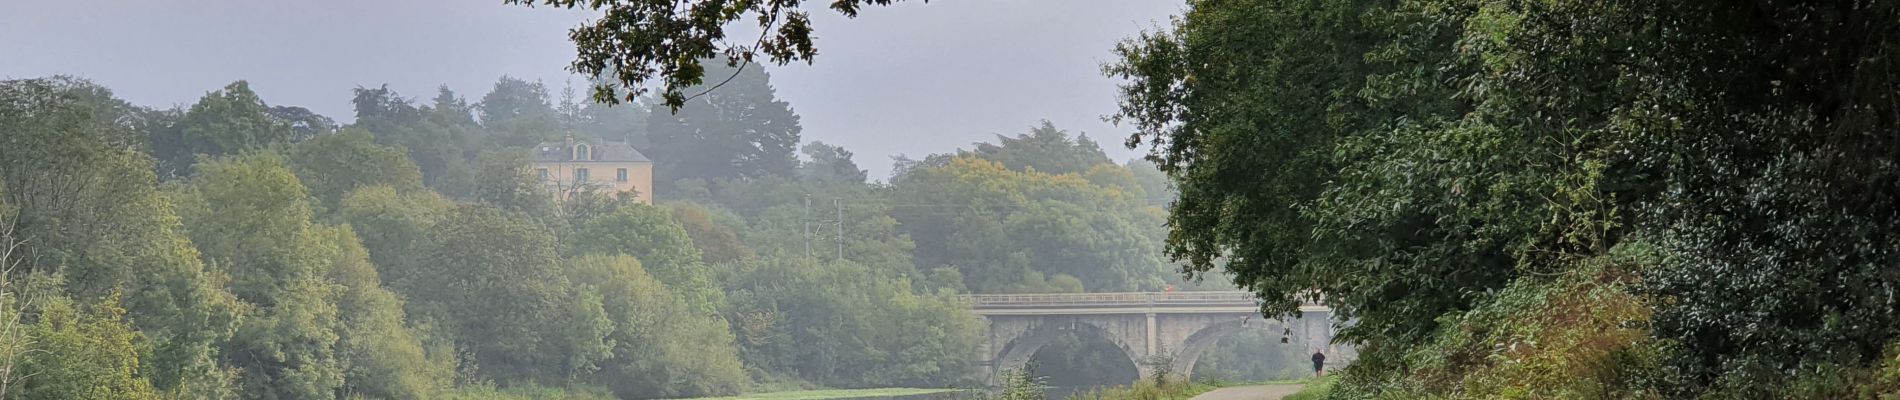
{"x": 1582, "y": 334}
{"x": 529, "y": 392}
{"x": 842, "y": 324}
{"x": 1155, "y": 389}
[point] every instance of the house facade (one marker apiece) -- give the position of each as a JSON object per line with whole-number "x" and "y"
{"x": 575, "y": 164}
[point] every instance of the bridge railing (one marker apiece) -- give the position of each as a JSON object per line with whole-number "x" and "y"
{"x": 1060, "y": 299}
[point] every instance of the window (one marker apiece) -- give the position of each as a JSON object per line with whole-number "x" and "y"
{"x": 543, "y": 172}
{"x": 583, "y": 153}
{"x": 620, "y": 175}
{"x": 580, "y": 174}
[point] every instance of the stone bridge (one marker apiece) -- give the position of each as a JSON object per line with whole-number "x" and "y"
{"x": 1153, "y": 329}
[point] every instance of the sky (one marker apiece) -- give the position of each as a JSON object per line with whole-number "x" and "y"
{"x": 910, "y": 79}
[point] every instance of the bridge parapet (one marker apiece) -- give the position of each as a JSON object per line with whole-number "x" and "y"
{"x": 1127, "y": 298}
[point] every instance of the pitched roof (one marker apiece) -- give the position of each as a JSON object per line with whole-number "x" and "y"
{"x": 601, "y": 151}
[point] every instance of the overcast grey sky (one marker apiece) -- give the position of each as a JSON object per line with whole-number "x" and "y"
{"x": 912, "y": 78}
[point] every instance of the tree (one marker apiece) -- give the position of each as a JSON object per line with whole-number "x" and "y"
{"x": 662, "y": 348}
{"x": 332, "y": 166}
{"x": 862, "y": 214}
{"x": 83, "y": 353}
{"x": 91, "y": 205}
{"x": 1410, "y": 160}
{"x": 1010, "y": 231}
{"x": 519, "y": 114}
{"x": 771, "y": 218}
{"x": 1246, "y": 174}
{"x": 717, "y": 239}
{"x": 649, "y": 234}
{"x": 392, "y": 222}
{"x": 303, "y": 123}
{"x": 450, "y": 109}
{"x": 1044, "y": 149}
{"x": 1153, "y": 183}
{"x": 380, "y": 355}
{"x": 741, "y": 131}
{"x": 492, "y": 279}
{"x": 625, "y": 122}
{"x": 827, "y": 164}
{"x": 249, "y": 215}
{"x": 14, "y": 339}
{"x": 438, "y": 138}
{"x": 1771, "y": 139}
{"x": 503, "y": 179}
{"x": 223, "y": 122}
{"x": 635, "y": 41}
{"x": 841, "y": 324}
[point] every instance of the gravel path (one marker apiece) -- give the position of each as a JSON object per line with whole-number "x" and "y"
{"x": 1262, "y": 392}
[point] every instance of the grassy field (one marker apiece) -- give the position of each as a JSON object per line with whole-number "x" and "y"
{"x": 1315, "y": 389}
{"x": 832, "y": 394}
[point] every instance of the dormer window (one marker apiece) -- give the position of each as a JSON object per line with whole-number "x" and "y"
{"x": 583, "y": 153}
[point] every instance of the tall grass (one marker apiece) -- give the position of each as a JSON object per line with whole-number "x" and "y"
{"x": 829, "y": 394}
{"x": 1315, "y": 389}
{"x": 1148, "y": 390}
{"x": 488, "y": 392}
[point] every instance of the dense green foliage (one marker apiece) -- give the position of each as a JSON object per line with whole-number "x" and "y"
{"x": 332, "y": 166}
{"x": 650, "y": 234}
{"x": 410, "y": 255}
{"x": 1715, "y": 177}
{"x": 875, "y": 330}
{"x": 1028, "y": 231}
{"x": 1508, "y": 199}
{"x": 741, "y": 130}
{"x": 249, "y": 217}
{"x": 671, "y": 349}
{"x": 87, "y": 203}
{"x": 81, "y": 354}
{"x": 492, "y": 279}
{"x": 233, "y": 248}
{"x": 517, "y": 113}
{"x": 1044, "y": 149}
{"x": 223, "y": 122}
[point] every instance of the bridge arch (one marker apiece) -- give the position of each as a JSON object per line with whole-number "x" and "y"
{"x": 1188, "y": 351}
{"x": 1303, "y": 333}
{"x": 1016, "y": 352}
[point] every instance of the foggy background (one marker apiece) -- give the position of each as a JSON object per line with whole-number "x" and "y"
{"x": 907, "y": 79}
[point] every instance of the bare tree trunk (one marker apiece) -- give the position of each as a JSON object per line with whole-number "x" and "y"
{"x": 13, "y": 338}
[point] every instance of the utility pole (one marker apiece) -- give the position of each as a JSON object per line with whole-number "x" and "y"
{"x": 808, "y": 225}
{"x": 838, "y": 203}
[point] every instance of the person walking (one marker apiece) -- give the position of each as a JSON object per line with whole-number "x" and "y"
{"x": 1319, "y": 363}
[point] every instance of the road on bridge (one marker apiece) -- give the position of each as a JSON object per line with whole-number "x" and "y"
{"x": 1261, "y": 392}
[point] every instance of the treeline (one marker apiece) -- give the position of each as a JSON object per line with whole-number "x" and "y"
{"x": 1558, "y": 199}
{"x": 238, "y": 249}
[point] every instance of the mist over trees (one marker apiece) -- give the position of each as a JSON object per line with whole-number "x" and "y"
{"x": 741, "y": 130}
{"x": 234, "y": 248}
{"x": 1553, "y": 199}
{"x": 1620, "y": 199}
